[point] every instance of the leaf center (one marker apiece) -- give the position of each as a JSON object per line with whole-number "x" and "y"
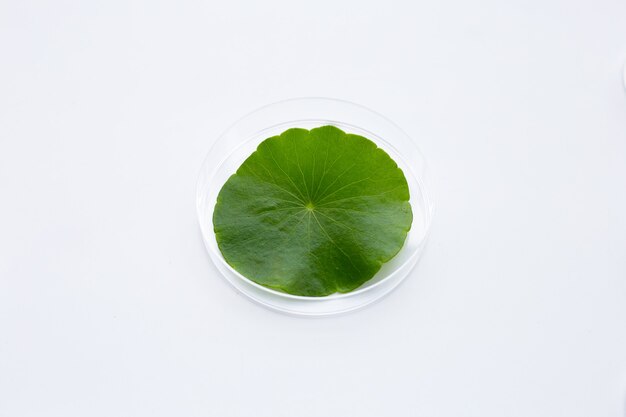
{"x": 309, "y": 206}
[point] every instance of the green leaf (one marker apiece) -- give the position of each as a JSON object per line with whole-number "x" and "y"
{"x": 313, "y": 212}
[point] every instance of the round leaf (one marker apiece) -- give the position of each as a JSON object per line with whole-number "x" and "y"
{"x": 313, "y": 212}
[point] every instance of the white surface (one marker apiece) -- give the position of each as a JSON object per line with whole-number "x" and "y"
{"x": 109, "y": 305}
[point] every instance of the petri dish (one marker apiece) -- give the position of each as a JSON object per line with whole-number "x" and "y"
{"x": 231, "y": 148}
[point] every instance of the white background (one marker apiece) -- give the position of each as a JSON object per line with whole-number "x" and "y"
{"x": 109, "y": 305}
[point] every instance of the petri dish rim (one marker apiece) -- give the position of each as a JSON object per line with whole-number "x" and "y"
{"x": 426, "y": 198}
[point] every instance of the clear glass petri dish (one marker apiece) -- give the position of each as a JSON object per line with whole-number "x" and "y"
{"x": 230, "y": 150}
